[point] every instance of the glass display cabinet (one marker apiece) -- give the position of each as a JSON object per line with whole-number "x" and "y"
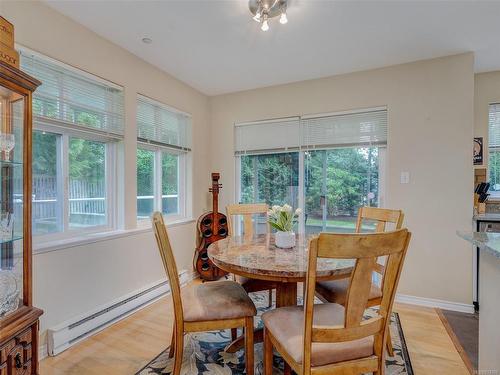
{"x": 18, "y": 318}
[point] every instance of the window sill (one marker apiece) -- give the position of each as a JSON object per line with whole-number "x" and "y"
{"x": 49, "y": 246}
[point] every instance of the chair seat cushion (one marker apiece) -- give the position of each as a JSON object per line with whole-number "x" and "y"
{"x": 216, "y": 301}
{"x": 286, "y": 324}
{"x": 255, "y": 285}
{"x": 336, "y": 290}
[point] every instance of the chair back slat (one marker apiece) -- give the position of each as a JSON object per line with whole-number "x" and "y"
{"x": 381, "y": 216}
{"x": 169, "y": 264}
{"x": 247, "y": 211}
{"x": 365, "y": 249}
{"x": 359, "y": 287}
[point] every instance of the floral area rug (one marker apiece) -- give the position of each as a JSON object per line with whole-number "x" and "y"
{"x": 204, "y": 352}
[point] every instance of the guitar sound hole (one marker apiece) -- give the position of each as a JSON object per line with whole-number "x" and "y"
{"x": 207, "y": 221}
{"x": 207, "y": 233}
{"x": 222, "y": 232}
{"x": 205, "y": 267}
{"x": 204, "y": 256}
{"x": 223, "y": 221}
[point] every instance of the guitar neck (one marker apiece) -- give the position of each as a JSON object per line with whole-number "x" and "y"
{"x": 215, "y": 210}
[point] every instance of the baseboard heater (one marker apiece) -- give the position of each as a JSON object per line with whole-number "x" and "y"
{"x": 65, "y": 335}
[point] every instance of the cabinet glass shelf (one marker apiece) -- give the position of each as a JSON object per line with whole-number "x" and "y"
{"x": 13, "y": 239}
{"x": 10, "y": 163}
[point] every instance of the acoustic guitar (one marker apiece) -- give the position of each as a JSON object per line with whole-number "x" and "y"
{"x": 211, "y": 227}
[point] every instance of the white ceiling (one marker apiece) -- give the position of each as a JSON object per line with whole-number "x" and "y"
{"x": 217, "y": 48}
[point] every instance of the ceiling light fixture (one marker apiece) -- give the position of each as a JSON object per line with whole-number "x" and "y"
{"x": 147, "y": 40}
{"x": 283, "y": 18}
{"x": 265, "y": 24}
{"x": 257, "y": 15}
{"x": 264, "y": 10}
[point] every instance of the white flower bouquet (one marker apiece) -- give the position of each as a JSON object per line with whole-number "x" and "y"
{"x": 283, "y": 218}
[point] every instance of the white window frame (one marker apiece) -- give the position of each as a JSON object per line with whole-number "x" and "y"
{"x": 301, "y": 196}
{"x": 494, "y": 195}
{"x": 157, "y": 182}
{"x": 64, "y": 134}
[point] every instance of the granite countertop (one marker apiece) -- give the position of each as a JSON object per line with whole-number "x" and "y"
{"x": 258, "y": 257}
{"x": 487, "y": 217}
{"x": 487, "y": 241}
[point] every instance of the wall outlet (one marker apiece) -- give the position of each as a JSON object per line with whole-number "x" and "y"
{"x": 405, "y": 177}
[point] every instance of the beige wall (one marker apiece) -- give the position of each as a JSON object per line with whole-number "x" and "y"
{"x": 486, "y": 91}
{"x": 430, "y": 119}
{"x": 70, "y": 282}
{"x": 430, "y": 107}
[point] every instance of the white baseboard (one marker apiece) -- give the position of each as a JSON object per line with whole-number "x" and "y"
{"x": 72, "y": 331}
{"x": 435, "y": 303}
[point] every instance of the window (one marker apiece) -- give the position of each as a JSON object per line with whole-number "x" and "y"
{"x": 46, "y": 204}
{"x": 494, "y": 150}
{"x": 271, "y": 178}
{"x": 145, "y": 183}
{"x": 337, "y": 183}
{"x": 78, "y": 118}
{"x": 163, "y": 137}
{"x": 329, "y": 166}
{"x": 87, "y": 183}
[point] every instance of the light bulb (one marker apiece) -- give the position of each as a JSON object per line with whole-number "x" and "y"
{"x": 257, "y": 16}
{"x": 283, "y": 18}
{"x": 265, "y": 25}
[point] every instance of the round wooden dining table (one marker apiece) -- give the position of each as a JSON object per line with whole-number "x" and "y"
{"x": 258, "y": 257}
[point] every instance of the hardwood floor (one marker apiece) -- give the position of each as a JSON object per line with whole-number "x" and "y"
{"x": 128, "y": 345}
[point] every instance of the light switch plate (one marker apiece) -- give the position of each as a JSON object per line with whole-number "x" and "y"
{"x": 405, "y": 177}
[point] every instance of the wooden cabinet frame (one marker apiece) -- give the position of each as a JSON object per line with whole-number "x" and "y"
{"x": 19, "y": 329}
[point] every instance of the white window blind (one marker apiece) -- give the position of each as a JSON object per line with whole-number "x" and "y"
{"x": 161, "y": 125}
{"x": 368, "y": 127}
{"x": 341, "y": 130}
{"x": 267, "y": 136}
{"x": 494, "y": 127}
{"x": 74, "y": 99}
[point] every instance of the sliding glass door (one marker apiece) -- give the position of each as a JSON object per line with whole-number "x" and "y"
{"x": 328, "y": 165}
{"x": 271, "y": 179}
{"x": 338, "y": 182}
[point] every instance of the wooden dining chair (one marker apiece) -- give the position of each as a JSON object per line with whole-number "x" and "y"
{"x": 248, "y": 212}
{"x": 330, "y": 338}
{"x": 206, "y": 307}
{"x": 336, "y": 290}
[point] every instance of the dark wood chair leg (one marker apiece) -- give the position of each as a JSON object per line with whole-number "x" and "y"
{"x": 249, "y": 349}
{"x": 234, "y": 334}
{"x": 270, "y": 304}
{"x": 287, "y": 369}
{"x": 268, "y": 354}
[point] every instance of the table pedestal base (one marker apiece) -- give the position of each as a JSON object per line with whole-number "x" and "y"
{"x": 286, "y": 295}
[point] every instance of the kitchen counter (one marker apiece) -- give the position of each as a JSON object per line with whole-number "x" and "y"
{"x": 489, "y": 297}
{"x": 487, "y": 217}
{"x": 487, "y": 241}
